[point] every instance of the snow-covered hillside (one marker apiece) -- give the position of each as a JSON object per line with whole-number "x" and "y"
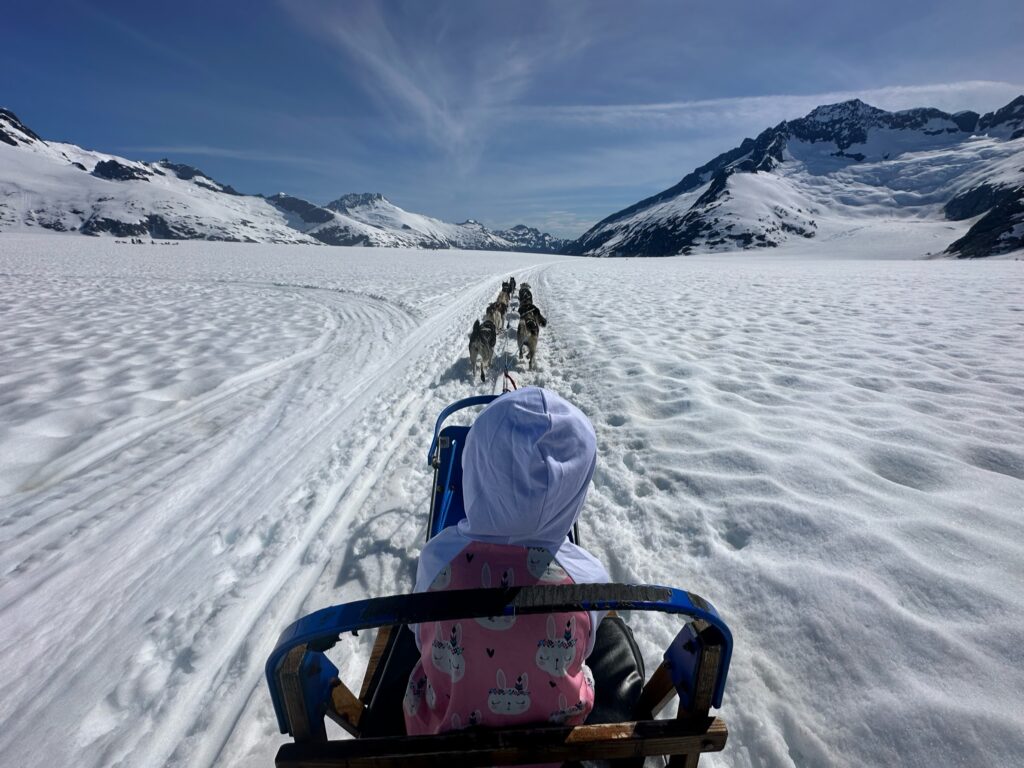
{"x": 48, "y": 186}
{"x": 196, "y": 449}
{"x": 836, "y": 173}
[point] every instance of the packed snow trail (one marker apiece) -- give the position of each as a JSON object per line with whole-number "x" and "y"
{"x": 832, "y": 452}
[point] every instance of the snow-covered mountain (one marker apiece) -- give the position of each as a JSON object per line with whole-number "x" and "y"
{"x": 833, "y": 172}
{"x": 531, "y": 239}
{"x": 64, "y": 188}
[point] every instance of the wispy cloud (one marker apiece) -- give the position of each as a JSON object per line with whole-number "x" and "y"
{"x": 768, "y": 110}
{"x": 328, "y": 167}
{"x": 147, "y": 42}
{"x": 225, "y": 152}
{"x": 451, "y": 89}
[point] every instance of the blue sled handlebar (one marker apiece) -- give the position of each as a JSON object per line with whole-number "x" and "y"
{"x": 321, "y": 630}
{"x": 458, "y": 405}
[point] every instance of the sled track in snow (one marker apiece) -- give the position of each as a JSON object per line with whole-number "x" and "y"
{"x": 196, "y": 578}
{"x": 318, "y": 514}
{"x": 341, "y": 489}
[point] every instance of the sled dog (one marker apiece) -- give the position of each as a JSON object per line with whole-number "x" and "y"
{"x": 495, "y": 314}
{"x": 529, "y": 309}
{"x": 526, "y": 336}
{"x": 481, "y": 347}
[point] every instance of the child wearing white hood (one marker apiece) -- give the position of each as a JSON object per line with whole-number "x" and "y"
{"x": 527, "y": 464}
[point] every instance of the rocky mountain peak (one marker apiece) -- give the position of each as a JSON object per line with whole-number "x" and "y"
{"x": 13, "y": 131}
{"x": 845, "y": 111}
{"x": 1005, "y": 120}
{"x": 353, "y": 200}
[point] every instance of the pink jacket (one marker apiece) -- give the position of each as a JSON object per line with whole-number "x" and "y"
{"x": 504, "y": 670}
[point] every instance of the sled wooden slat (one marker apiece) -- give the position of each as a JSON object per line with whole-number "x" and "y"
{"x": 346, "y": 710}
{"x": 657, "y": 692}
{"x": 379, "y": 644}
{"x": 482, "y": 747}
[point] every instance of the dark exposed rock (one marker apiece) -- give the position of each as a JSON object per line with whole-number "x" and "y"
{"x": 1012, "y": 115}
{"x": 531, "y": 239}
{"x": 115, "y": 171}
{"x": 98, "y": 225}
{"x": 79, "y": 166}
{"x": 346, "y": 203}
{"x": 974, "y": 202}
{"x": 1001, "y": 230}
{"x": 10, "y": 126}
{"x": 966, "y": 120}
{"x": 340, "y": 235}
{"x": 182, "y": 171}
{"x": 305, "y": 210}
{"x": 190, "y": 173}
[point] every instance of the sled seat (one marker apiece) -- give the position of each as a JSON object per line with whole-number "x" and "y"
{"x": 305, "y": 689}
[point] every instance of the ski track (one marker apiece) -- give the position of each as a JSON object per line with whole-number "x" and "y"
{"x": 832, "y": 453}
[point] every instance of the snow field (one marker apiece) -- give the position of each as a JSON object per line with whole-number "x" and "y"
{"x": 831, "y": 452}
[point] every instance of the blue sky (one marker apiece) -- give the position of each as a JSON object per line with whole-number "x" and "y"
{"x": 553, "y": 114}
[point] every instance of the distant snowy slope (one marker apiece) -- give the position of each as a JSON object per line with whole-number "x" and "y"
{"x": 829, "y": 174}
{"x": 64, "y": 188}
{"x": 530, "y": 239}
{"x": 418, "y": 230}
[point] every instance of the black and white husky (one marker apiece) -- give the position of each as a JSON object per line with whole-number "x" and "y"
{"x": 529, "y": 309}
{"x": 526, "y": 336}
{"x": 481, "y": 347}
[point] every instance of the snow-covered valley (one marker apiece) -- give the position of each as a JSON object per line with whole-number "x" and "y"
{"x": 199, "y": 443}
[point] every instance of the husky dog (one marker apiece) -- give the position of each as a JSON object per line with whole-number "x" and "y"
{"x": 511, "y": 285}
{"x": 526, "y": 336}
{"x": 529, "y": 309}
{"x": 507, "y": 286}
{"x": 494, "y": 314}
{"x": 504, "y": 298}
{"x": 481, "y": 346}
{"x": 525, "y": 294}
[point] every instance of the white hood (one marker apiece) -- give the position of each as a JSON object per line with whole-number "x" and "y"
{"x": 527, "y": 465}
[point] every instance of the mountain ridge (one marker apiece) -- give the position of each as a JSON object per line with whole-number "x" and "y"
{"x": 65, "y": 188}
{"x": 711, "y": 209}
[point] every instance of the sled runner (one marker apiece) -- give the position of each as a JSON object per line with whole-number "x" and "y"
{"x": 305, "y": 688}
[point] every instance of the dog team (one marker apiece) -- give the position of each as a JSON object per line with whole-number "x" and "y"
{"x": 484, "y": 336}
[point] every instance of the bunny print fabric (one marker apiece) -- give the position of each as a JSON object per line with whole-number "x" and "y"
{"x": 501, "y": 670}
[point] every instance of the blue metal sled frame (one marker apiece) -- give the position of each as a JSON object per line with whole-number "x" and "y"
{"x": 321, "y": 630}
